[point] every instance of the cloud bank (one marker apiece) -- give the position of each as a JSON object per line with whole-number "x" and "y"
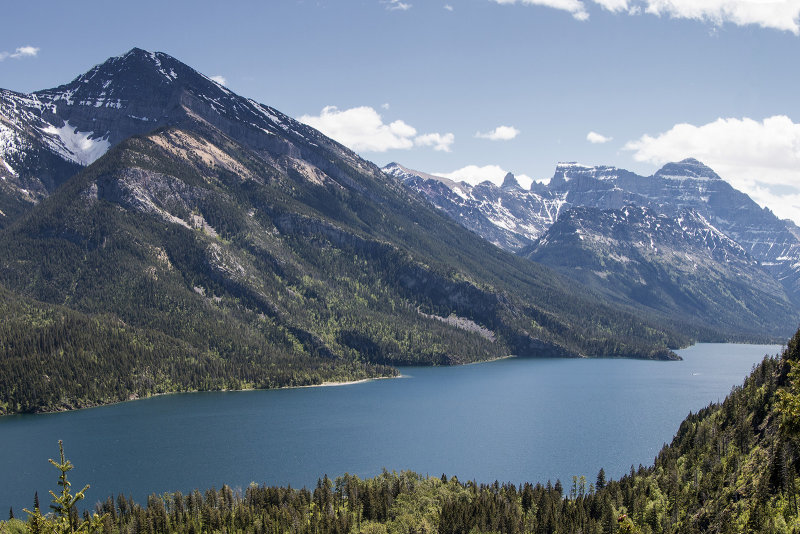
{"x": 501, "y": 133}
{"x": 775, "y": 14}
{"x": 21, "y": 52}
{"x": 760, "y": 158}
{"x": 362, "y": 129}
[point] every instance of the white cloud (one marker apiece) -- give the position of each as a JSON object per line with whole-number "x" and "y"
{"x": 576, "y": 7}
{"x": 219, "y": 79}
{"x": 596, "y": 138}
{"x": 441, "y": 142}
{"x": 448, "y": 7}
{"x": 21, "y": 52}
{"x": 473, "y": 174}
{"x": 362, "y": 129}
{"x": 394, "y": 5}
{"x": 501, "y": 133}
{"x": 615, "y": 6}
{"x": 776, "y": 14}
{"x": 385, "y": 105}
{"x": 761, "y": 159}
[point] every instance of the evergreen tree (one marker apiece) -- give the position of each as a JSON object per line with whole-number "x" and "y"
{"x": 601, "y": 480}
{"x": 65, "y": 519}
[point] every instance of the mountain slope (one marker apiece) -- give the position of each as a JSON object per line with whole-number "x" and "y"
{"x": 679, "y": 267}
{"x": 53, "y": 358}
{"x": 29, "y": 168}
{"x": 691, "y": 185}
{"x": 246, "y": 234}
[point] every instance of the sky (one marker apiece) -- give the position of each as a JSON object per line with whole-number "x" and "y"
{"x": 472, "y": 89}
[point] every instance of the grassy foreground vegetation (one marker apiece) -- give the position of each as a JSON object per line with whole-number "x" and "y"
{"x": 732, "y": 467}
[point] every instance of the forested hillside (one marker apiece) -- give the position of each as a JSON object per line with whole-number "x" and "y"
{"x": 53, "y": 358}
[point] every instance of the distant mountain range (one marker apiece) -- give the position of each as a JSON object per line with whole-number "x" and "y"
{"x": 226, "y": 245}
{"x": 681, "y": 242}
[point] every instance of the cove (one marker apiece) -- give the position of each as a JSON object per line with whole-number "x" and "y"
{"x": 511, "y": 420}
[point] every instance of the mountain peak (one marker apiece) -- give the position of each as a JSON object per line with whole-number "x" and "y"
{"x": 135, "y": 51}
{"x": 687, "y": 168}
{"x": 510, "y": 182}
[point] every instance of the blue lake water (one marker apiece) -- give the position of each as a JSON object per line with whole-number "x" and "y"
{"x": 510, "y": 420}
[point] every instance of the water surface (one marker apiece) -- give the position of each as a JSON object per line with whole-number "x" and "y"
{"x": 509, "y": 420}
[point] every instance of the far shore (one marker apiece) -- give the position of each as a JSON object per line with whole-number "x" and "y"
{"x": 345, "y": 383}
{"x": 164, "y": 393}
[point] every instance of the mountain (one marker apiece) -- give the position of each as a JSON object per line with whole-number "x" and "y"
{"x": 507, "y": 216}
{"x": 515, "y": 219}
{"x": 691, "y": 185}
{"x": 273, "y": 255}
{"x": 30, "y": 168}
{"x": 677, "y": 266}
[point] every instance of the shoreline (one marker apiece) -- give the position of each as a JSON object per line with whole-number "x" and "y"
{"x": 134, "y": 397}
{"x": 323, "y": 384}
{"x": 329, "y": 384}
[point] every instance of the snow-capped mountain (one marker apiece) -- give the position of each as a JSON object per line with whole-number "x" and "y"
{"x": 675, "y": 188}
{"x": 46, "y": 136}
{"x": 508, "y": 216}
{"x": 679, "y": 265}
{"x": 689, "y": 184}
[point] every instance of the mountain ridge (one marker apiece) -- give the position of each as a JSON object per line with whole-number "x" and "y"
{"x": 515, "y": 220}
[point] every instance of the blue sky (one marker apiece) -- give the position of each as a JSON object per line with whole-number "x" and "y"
{"x": 427, "y": 83}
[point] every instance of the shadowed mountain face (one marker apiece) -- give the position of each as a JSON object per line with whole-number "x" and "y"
{"x": 686, "y": 191}
{"x": 250, "y": 237}
{"x": 678, "y": 266}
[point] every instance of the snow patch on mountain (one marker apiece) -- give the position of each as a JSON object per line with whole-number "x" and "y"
{"x": 9, "y": 167}
{"x": 74, "y": 145}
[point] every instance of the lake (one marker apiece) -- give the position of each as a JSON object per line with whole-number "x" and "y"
{"x": 510, "y": 420}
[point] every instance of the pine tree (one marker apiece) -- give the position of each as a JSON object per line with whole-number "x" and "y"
{"x": 601, "y": 480}
{"x": 65, "y": 519}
